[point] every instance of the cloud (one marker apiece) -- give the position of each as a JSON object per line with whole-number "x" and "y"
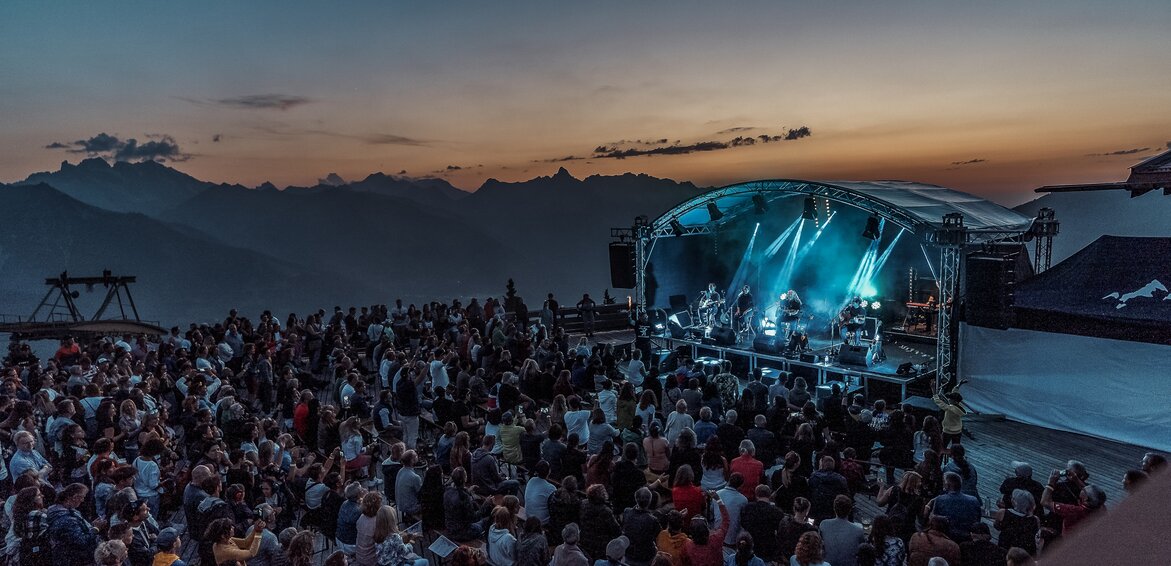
{"x": 969, "y": 162}
{"x": 403, "y": 172}
{"x": 216, "y": 138}
{"x": 1131, "y": 151}
{"x": 333, "y": 180}
{"x": 163, "y": 148}
{"x": 381, "y": 139}
{"x": 736, "y": 129}
{"x": 616, "y": 151}
{"x": 453, "y": 168}
{"x": 264, "y": 101}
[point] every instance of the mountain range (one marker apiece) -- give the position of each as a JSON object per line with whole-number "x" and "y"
{"x": 200, "y": 248}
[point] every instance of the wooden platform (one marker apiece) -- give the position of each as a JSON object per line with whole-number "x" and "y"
{"x": 999, "y": 442}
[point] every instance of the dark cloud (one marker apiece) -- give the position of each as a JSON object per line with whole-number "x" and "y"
{"x": 1131, "y": 151}
{"x": 333, "y": 180}
{"x": 163, "y": 148}
{"x": 264, "y": 101}
{"x": 617, "y": 151}
{"x": 403, "y": 172}
{"x": 452, "y": 168}
{"x": 381, "y": 139}
{"x": 736, "y": 129}
{"x": 216, "y": 138}
{"x": 798, "y": 133}
{"x": 969, "y": 162}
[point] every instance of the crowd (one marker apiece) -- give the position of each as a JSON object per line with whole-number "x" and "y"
{"x": 362, "y": 436}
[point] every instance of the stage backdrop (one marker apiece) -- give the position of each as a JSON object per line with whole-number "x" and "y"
{"x": 1106, "y": 388}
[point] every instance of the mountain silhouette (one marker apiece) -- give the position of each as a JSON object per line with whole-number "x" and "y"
{"x": 146, "y": 187}
{"x": 182, "y": 276}
{"x": 377, "y": 239}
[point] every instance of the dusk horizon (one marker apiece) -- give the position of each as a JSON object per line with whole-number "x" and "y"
{"x": 1006, "y": 99}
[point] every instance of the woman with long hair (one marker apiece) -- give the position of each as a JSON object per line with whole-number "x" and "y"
{"x": 648, "y": 404}
{"x": 888, "y": 547}
{"x": 904, "y": 504}
{"x": 461, "y": 454}
{"x": 557, "y": 409}
{"x": 129, "y": 425}
{"x": 300, "y": 551}
{"x": 30, "y": 524}
{"x": 627, "y": 405}
{"x": 715, "y": 466}
{"x": 390, "y": 546}
{"x": 804, "y": 443}
{"x": 685, "y": 495}
{"x": 788, "y": 484}
{"x": 931, "y": 473}
{"x": 601, "y": 466}
{"x": 929, "y": 437}
{"x": 220, "y": 546}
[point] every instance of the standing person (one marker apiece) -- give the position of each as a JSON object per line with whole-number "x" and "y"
{"x": 586, "y": 307}
{"x": 760, "y": 518}
{"x": 554, "y": 309}
{"x": 407, "y": 398}
{"x": 951, "y": 403}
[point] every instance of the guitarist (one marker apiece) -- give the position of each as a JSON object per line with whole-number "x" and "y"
{"x": 850, "y": 319}
{"x": 743, "y": 308}
{"x": 709, "y": 304}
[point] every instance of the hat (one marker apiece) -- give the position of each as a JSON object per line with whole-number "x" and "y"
{"x": 167, "y": 538}
{"x": 616, "y": 550}
{"x": 1022, "y": 469}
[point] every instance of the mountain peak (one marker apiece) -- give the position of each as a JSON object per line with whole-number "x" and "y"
{"x": 90, "y": 163}
{"x": 563, "y": 174}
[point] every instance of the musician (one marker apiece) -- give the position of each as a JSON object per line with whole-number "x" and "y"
{"x": 790, "y": 306}
{"x": 850, "y": 318}
{"x": 744, "y": 306}
{"x": 709, "y": 303}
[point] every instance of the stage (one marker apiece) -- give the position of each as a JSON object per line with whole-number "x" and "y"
{"x": 813, "y": 365}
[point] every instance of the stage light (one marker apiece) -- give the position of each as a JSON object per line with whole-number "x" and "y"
{"x": 865, "y": 303}
{"x": 677, "y": 227}
{"x": 872, "y": 231}
{"x": 868, "y": 290}
{"x": 874, "y": 305}
{"x": 810, "y": 212}
{"x": 714, "y": 211}
{"x": 759, "y": 203}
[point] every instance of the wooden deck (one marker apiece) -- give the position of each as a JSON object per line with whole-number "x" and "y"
{"x": 999, "y": 442}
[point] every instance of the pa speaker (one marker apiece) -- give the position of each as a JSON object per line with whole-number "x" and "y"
{"x": 851, "y": 355}
{"x": 622, "y": 265}
{"x": 723, "y": 336}
{"x": 765, "y": 344}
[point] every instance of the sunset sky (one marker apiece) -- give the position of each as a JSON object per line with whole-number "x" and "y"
{"x": 992, "y": 97}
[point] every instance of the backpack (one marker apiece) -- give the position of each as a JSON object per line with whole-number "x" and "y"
{"x": 205, "y": 517}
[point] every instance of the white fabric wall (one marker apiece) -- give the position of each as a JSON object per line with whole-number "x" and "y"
{"x": 1105, "y": 388}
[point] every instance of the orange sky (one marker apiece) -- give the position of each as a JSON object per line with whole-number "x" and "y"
{"x": 1018, "y": 95}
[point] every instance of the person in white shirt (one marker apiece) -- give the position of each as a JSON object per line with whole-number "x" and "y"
{"x": 537, "y": 492}
{"x": 438, "y": 369}
{"x": 577, "y": 420}
{"x": 635, "y": 370}
{"x": 677, "y": 422}
{"x": 608, "y": 401}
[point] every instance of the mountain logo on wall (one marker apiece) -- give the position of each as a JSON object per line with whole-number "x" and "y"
{"x": 1150, "y": 290}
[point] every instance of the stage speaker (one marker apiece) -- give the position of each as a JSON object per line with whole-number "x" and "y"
{"x": 804, "y": 371}
{"x": 906, "y": 368}
{"x": 990, "y": 279}
{"x": 851, "y": 355}
{"x": 675, "y": 330}
{"x": 722, "y": 336}
{"x": 622, "y": 265}
{"x": 678, "y": 303}
{"x": 765, "y": 344}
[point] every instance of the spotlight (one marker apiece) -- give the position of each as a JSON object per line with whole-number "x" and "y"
{"x": 875, "y": 305}
{"x": 759, "y": 203}
{"x": 810, "y": 212}
{"x": 714, "y": 211}
{"x": 872, "y": 231}
{"x": 677, "y": 227}
{"x": 865, "y": 303}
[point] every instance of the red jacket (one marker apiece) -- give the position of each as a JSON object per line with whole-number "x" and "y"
{"x": 753, "y": 472}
